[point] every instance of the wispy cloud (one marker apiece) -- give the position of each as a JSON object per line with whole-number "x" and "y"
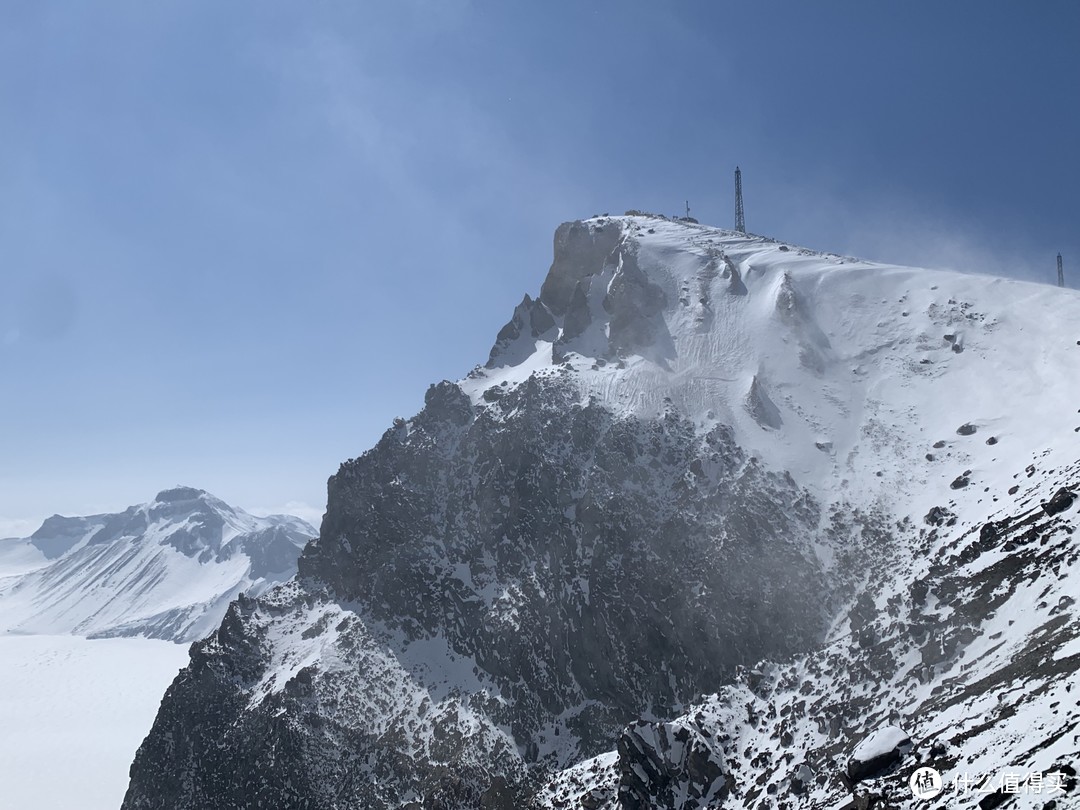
{"x": 423, "y": 140}
{"x": 882, "y": 226}
{"x": 300, "y": 509}
{"x": 18, "y": 527}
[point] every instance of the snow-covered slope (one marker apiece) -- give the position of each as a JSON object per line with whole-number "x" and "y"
{"x": 694, "y": 450}
{"x": 166, "y": 569}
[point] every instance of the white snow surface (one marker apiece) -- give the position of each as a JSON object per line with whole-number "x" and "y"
{"x": 73, "y": 713}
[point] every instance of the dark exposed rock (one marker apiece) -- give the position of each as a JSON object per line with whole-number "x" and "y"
{"x": 417, "y": 530}
{"x": 863, "y": 612}
{"x": 989, "y": 534}
{"x": 1061, "y": 501}
{"x": 918, "y": 590}
{"x": 634, "y": 305}
{"x": 735, "y": 282}
{"x": 940, "y": 515}
{"x": 966, "y": 429}
{"x": 960, "y": 482}
{"x": 577, "y": 318}
{"x": 58, "y": 534}
{"x": 995, "y": 799}
{"x": 801, "y": 778}
{"x": 580, "y": 251}
{"x": 654, "y": 757}
{"x": 761, "y": 406}
{"x": 517, "y": 339}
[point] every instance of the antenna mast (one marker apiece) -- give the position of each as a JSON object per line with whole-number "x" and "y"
{"x": 740, "y": 219}
{"x": 1061, "y": 273}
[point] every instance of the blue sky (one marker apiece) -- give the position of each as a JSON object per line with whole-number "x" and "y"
{"x": 237, "y": 240}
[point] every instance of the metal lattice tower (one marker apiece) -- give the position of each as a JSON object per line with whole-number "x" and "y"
{"x": 1061, "y": 273}
{"x": 740, "y": 219}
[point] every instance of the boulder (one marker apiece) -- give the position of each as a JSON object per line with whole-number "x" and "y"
{"x": 1061, "y": 501}
{"x": 881, "y": 750}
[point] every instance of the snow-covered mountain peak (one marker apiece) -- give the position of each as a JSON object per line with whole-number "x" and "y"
{"x": 805, "y": 355}
{"x": 181, "y": 493}
{"x": 694, "y": 453}
{"x": 167, "y": 568}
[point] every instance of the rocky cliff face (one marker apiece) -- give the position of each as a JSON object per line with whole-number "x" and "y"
{"x": 535, "y": 571}
{"x": 694, "y": 451}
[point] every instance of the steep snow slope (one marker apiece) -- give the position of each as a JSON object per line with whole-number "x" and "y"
{"x": 165, "y": 569}
{"x": 694, "y": 450}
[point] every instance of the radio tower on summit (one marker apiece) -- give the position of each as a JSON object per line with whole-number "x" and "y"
{"x": 1061, "y": 273}
{"x": 740, "y": 219}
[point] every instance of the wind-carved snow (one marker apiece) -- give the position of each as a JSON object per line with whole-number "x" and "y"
{"x": 856, "y": 351}
{"x": 693, "y": 450}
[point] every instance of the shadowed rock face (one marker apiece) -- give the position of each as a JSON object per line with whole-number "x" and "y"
{"x": 568, "y": 508}
{"x": 580, "y": 251}
{"x": 634, "y": 305}
{"x": 554, "y": 547}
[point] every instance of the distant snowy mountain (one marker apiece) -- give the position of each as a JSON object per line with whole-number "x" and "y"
{"x": 166, "y": 569}
{"x": 723, "y": 522}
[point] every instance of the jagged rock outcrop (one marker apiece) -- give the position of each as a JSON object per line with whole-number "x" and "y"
{"x": 975, "y": 655}
{"x": 516, "y": 341}
{"x": 581, "y": 250}
{"x": 761, "y": 406}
